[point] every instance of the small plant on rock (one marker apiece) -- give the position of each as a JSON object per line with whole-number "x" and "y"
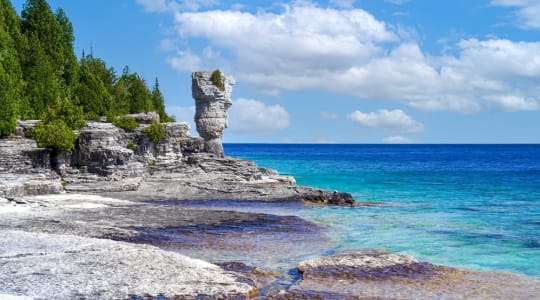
{"x": 217, "y": 80}
{"x": 129, "y": 124}
{"x": 156, "y": 132}
{"x": 131, "y": 146}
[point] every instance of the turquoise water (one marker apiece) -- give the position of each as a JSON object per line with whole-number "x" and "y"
{"x": 469, "y": 206}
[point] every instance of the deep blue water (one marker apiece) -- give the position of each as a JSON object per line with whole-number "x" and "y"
{"x": 471, "y": 206}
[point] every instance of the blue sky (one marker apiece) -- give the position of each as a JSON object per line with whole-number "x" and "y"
{"x": 338, "y": 71}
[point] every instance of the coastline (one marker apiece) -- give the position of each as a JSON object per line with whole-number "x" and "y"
{"x": 112, "y": 220}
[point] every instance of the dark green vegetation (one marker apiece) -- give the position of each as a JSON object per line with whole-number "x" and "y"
{"x": 156, "y": 132}
{"x": 129, "y": 124}
{"x": 41, "y": 77}
{"x": 217, "y": 80}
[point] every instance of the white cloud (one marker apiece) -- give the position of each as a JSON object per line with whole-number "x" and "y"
{"x": 393, "y": 120}
{"x": 184, "y": 114}
{"x": 397, "y": 139}
{"x": 252, "y": 116}
{"x": 185, "y": 61}
{"x": 329, "y": 116}
{"x": 349, "y": 51}
{"x": 513, "y": 103}
{"x": 528, "y": 11}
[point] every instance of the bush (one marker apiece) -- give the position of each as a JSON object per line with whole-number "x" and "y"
{"x": 129, "y": 124}
{"x": 7, "y": 127}
{"x": 217, "y": 80}
{"x": 70, "y": 114}
{"x": 92, "y": 116}
{"x": 156, "y": 132}
{"x": 55, "y": 134}
{"x": 131, "y": 146}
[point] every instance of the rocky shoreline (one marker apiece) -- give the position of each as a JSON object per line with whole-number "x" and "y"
{"x": 106, "y": 221}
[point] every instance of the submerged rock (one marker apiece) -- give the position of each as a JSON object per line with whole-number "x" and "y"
{"x": 211, "y": 105}
{"x": 382, "y": 275}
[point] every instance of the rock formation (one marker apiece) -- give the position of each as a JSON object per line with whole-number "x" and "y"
{"x": 211, "y": 109}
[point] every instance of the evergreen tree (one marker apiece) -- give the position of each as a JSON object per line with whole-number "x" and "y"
{"x": 131, "y": 95}
{"x": 43, "y": 62}
{"x": 12, "y": 42}
{"x": 158, "y": 102}
{"x": 10, "y": 84}
{"x": 91, "y": 92}
{"x": 70, "y": 66}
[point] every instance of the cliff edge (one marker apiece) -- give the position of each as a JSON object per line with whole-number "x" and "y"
{"x": 108, "y": 159}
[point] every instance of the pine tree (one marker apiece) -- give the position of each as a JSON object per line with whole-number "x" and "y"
{"x": 131, "y": 95}
{"x": 43, "y": 62}
{"x": 158, "y": 102}
{"x": 91, "y": 92}
{"x": 11, "y": 78}
{"x": 69, "y": 60}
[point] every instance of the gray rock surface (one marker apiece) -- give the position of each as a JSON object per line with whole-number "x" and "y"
{"x": 380, "y": 275}
{"x": 211, "y": 105}
{"x": 46, "y": 266}
{"x": 145, "y": 118}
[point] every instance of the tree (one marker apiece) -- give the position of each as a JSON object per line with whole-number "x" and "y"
{"x": 43, "y": 61}
{"x": 158, "y": 103}
{"x": 90, "y": 91}
{"x": 69, "y": 61}
{"x": 131, "y": 95}
{"x": 56, "y": 128}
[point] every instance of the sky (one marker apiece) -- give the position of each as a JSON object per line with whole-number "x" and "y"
{"x": 336, "y": 71}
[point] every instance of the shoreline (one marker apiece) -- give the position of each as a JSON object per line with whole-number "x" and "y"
{"x": 110, "y": 222}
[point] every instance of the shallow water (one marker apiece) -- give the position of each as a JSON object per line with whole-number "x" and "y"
{"x": 468, "y": 206}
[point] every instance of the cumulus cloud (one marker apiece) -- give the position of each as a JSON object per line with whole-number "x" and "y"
{"x": 393, "y": 120}
{"x": 397, "y": 139}
{"x": 349, "y": 51}
{"x": 183, "y": 114}
{"x": 252, "y": 116}
{"x": 528, "y": 11}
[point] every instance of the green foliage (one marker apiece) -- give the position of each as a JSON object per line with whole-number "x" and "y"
{"x": 91, "y": 92}
{"x": 58, "y": 122}
{"x": 156, "y": 132}
{"x": 92, "y": 116}
{"x": 129, "y": 124}
{"x": 217, "y": 80}
{"x": 55, "y": 135}
{"x": 131, "y": 146}
{"x": 11, "y": 82}
{"x": 131, "y": 95}
{"x": 64, "y": 110}
{"x": 38, "y": 66}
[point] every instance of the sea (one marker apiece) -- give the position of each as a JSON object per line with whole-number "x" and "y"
{"x": 468, "y": 206}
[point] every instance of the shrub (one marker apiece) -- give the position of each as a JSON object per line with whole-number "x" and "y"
{"x": 129, "y": 124}
{"x": 131, "y": 146}
{"x": 70, "y": 114}
{"x": 156, "y": 132}
{"x": 217, "y": 80}
{"x": 92, "y": 116}
{"x": 7, "y": 127}
{"x": 55, "y": 134}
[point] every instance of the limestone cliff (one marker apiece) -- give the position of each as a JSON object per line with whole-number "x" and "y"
{"x": 109, "y": 159}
